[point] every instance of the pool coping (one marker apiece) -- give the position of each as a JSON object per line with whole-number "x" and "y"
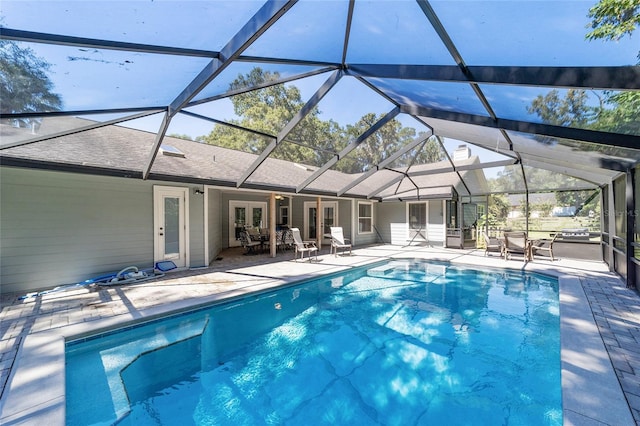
{"x": 591, "y": 393}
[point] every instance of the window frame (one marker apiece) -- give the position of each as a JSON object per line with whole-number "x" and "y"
{"x": 370, "y": 218}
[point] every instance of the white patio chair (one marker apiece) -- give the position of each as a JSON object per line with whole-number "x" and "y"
{"x": 303, "y": 247}
{"x": 338, "y": 241}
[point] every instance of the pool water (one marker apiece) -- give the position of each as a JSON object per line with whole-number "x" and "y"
{"x": 400, "y": 343}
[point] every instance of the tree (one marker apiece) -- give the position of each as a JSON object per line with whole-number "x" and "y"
{"x": 572, "y": 110}
{"x": 617, "y": 111}
{"x": 497, "y": 211}
{"x": 613, "y": 19}
{"x": 269, "y": 109}
{"x": 180, "y": 136}
{"x": 622, "y": 117}
{"x": 388, "y": 139}
{"x": 24, "y": 84}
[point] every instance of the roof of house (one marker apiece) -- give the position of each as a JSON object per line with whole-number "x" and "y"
{"x": 117, "y": 150}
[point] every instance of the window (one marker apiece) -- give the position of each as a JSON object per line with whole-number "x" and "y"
{"x": 365, "y": 218}
{"x": 284, "y": 215}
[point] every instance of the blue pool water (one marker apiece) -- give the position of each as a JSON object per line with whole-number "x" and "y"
{"x": 400, "y": 343}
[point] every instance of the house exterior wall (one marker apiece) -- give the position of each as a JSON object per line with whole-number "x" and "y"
{"x": 196, "y": 230}
{"x": 296, "y": 215}
{"x": 214, "y": 224}
{"x": 391, "y": 222}
{"x": 63, "y": 228}
{"x": 436, "y": 226}
{"x": 346, "y": 218}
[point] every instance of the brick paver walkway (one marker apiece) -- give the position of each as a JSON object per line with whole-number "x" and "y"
{"x": 616, "y": 310}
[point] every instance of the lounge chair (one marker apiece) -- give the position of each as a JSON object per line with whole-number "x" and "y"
{"x": 517, "y": 242}
{"x": 537, "y": 246}
{"x": 338, "y": 241}
{"x": 303, "y": 247}
{"x": 249, "y": 245}
{"x": 491, "y": 244}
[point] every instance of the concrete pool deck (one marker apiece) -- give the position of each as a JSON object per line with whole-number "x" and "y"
{"x": 600, "y": 325}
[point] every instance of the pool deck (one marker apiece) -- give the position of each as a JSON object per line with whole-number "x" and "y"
{"x": 600, "y": 325}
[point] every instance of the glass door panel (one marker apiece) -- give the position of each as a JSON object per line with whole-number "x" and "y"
{"x": 328, "y": 220}
{"x": 311, "y": 228}
{"x": 256, "y": 215}
{"x": 239, "y": 221}
{"x": 171, "y": 227}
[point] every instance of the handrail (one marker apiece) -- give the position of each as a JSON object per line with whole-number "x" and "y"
{"x": 414, "y": 237}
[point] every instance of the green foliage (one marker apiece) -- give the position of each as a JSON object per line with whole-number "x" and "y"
{"x": 568, "y": 111}
{"x": 545, "y": 208}
{"x": 509, "y": 179}
{"x": 497, "y": 212}
{"x": 617, "y": 112}
{"x": 623, "y": 115}
{"x": 180, "y": 136}
{"x": 613, "y": 19}
{"x": 24, "y": 84}
{"x": 269, "y": 108}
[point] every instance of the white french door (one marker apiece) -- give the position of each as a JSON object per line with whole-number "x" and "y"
{"x": 170, "y": 224}
{"x": 328, "y": 218}
{"x": 245, "y": 213}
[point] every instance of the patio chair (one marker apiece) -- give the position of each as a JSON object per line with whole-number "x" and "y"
{"x": 338, "y": 241}
{"x": 303, "y": 247}
{"x": 280, "y": 244}
{"x": 287, "y": 239}
{"x": 249, "y": 245}
{"x": 491, "y": 244}
{"x": 537, "y": 246}
{"x": 517, "y": 242}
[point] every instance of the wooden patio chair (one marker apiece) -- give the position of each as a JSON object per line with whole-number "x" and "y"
{"x": 303, "y": 247}
{"x": 338, "y": 241}
{"x": 543, "y": 246}
{"x": 517, "y": 242}
{"x": 491, "y": 244}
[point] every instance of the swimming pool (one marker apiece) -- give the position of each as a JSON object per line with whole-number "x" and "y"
{"x": 405, "y": 342}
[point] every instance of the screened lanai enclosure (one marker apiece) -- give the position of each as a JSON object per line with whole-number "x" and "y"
{"x": 516, "y": 114}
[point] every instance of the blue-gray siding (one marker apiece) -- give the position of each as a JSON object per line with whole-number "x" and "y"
{"x": 63, "y": 228}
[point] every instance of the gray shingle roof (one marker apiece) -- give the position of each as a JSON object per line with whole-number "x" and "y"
{"x": 124, "y": 150}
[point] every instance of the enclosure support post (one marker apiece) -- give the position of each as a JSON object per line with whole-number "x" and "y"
{"x": 611, "y": 212}
{"x": 631, "y": 225}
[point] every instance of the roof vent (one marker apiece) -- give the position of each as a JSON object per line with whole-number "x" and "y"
{"x": 171, "y": 151}
{"x": 303, "y": 167}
